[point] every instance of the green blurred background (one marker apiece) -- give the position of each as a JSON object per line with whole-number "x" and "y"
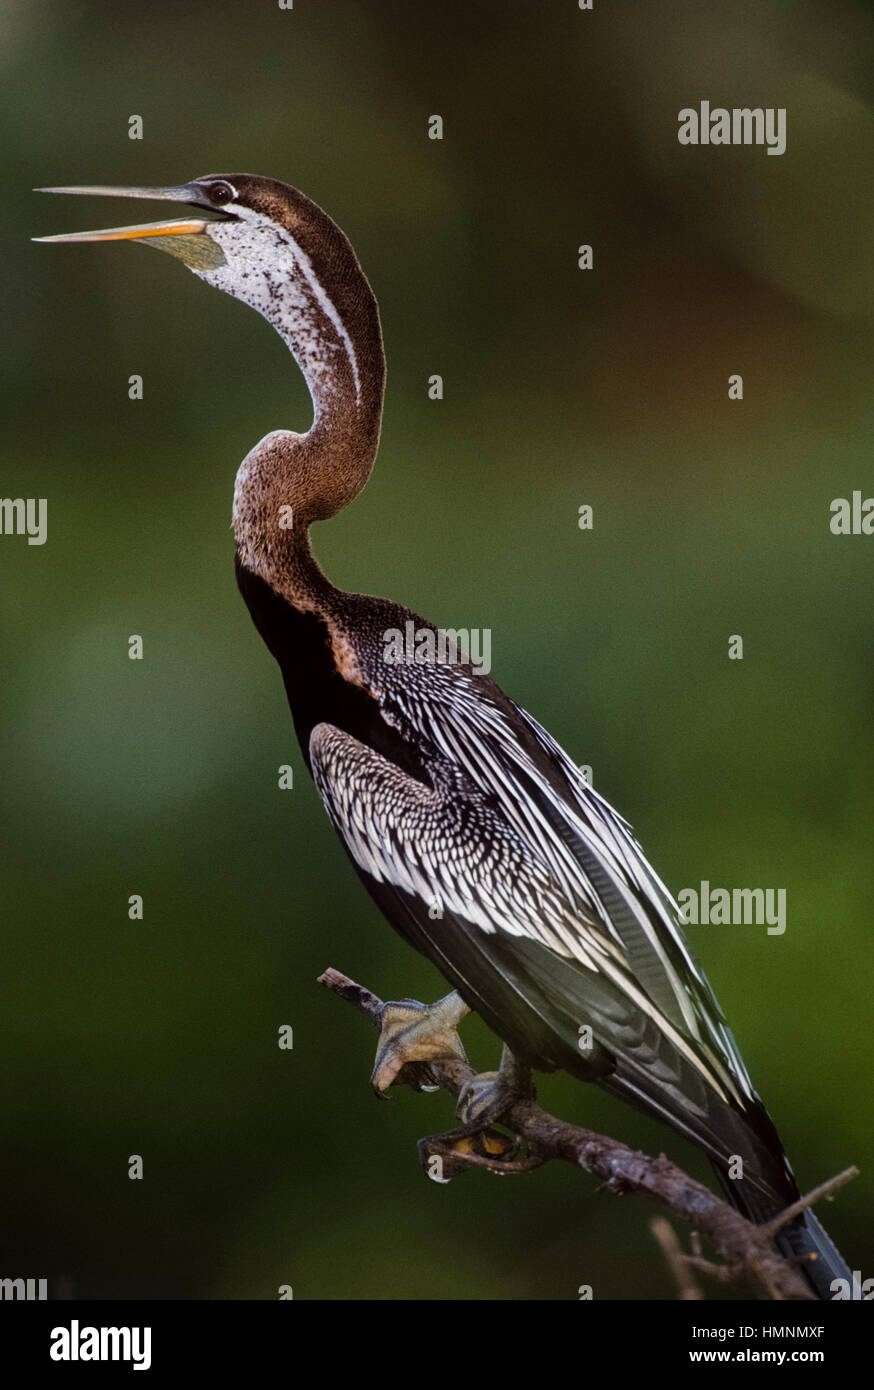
{"x": 264, "y": 1167}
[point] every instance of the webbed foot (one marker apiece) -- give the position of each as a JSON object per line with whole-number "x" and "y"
{"x": 414, "y": 1033}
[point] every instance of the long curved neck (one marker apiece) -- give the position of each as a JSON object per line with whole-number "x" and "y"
{"x": 327, "y": 314}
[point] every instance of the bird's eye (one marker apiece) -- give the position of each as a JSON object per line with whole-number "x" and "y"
{"x": 220, "y": 193}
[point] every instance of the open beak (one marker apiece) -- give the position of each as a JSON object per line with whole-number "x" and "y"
{"x": 183, "y": 237}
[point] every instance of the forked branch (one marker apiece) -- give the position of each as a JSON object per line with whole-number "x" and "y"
{"x": 747, "y": 1254}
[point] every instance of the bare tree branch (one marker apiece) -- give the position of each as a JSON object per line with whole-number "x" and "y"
{"x": 677, "y": 1260}
{"x": 746, "y": 1250}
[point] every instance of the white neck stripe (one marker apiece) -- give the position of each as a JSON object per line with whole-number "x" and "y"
{"x": 326, "y": 306}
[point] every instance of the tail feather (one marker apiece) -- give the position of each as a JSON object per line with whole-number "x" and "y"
{"x": 803, "y": 1241}
{"x": 824, "y": 1262}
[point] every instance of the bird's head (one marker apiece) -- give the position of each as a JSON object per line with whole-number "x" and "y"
{"x": 270, "y": 246}
{"x": 196, "y": 241}
{"x": 242, "y": 207}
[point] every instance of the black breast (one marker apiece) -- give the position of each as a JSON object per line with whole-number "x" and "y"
{"x": 317, "y": 692}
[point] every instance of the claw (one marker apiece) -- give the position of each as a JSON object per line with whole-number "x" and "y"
{"x": 414, "y": 1034}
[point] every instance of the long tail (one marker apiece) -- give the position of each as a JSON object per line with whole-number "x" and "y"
{"x": 767, "y": 1187}
{"x": 803, "y": 1241}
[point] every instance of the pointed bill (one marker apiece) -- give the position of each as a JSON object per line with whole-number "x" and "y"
{"x": 186, "y": 238}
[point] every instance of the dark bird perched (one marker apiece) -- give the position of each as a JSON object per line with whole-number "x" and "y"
{"x": 474, "y": 832}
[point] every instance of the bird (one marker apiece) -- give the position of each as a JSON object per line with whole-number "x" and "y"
{"x": 477, "y": 836}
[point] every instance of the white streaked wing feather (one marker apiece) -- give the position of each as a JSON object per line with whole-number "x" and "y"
{"x": 503, "y": 887}
{"x": 473, "y": 732}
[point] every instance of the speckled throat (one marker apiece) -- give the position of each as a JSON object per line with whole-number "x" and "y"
{"x": 284, "y": 256}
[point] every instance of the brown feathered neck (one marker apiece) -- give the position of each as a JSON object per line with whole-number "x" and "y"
{"x": 286, "y": 258}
